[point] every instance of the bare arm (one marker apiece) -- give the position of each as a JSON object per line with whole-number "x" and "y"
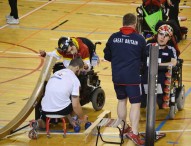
{"x": 169, "y": 3}
{"x": 53, "y": 53}
{"x": 77, "y": 108}
{"x": 87, "y": 65}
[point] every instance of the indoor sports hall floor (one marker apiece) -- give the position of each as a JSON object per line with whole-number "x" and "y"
{"x": 42, "y": 22}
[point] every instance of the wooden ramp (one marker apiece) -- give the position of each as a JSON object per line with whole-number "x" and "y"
{"x": 92, "y": 130}
{"x": 33, "y": 100}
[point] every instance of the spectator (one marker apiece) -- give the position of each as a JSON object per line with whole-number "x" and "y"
{"x": 13, "y": 17}
{"x": 173, "y": 6}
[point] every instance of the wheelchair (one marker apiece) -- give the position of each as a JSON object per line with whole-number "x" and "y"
{"x": 173, "y": 91}
{"x": 91, "y": 90}
{"x": 149, "y": 16}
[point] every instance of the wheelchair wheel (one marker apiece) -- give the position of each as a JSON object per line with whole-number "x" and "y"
{"x": 181, "y": 98}
{"x": 98, "y": 99}
{"x": 172, "y": 112}
{"x": 139, "y": 11}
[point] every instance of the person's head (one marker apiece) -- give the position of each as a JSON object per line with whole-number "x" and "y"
{"x": 129, "y": 19}
{"x": 76, "y": 65}
{"x": 66, "y": 45}
{"x": 164, "y": 34}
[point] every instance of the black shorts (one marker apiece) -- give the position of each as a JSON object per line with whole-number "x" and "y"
{"x": 133, "y": 92}
{"x": 64, "y": 111}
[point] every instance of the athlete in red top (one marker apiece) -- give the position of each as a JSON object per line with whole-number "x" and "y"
{"x": 69, "y": 48}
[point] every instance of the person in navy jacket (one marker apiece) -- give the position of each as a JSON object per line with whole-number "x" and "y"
{"x": 125, "y": 50}
{"x": 167, "y": 57}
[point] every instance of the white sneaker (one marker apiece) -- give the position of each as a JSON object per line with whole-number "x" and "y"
{"x": 13, "y": 21}
{"x": 8, "y": 17}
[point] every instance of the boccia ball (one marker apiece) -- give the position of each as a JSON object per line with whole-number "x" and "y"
{"x": 87, "y": 125}
{"x": 77, "y": 128}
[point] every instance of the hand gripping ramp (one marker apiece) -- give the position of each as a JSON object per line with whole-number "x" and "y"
{"x": 33, "y": 100}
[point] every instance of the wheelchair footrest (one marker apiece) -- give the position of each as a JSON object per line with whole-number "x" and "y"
{"x": 157, "y": 135}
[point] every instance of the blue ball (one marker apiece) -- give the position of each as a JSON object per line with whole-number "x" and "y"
{"x": 87, "y": 125}
{"x": 77, "y": 128}
{"x": 148, "y": 35}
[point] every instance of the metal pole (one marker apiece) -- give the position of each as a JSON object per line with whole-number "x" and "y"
{"x": 152, "y": 95}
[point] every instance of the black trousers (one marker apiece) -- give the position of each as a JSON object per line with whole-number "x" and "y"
{"x": 14, "y": 10}
{"x": 66, "y": 111}
{"x": 174, "y": 10}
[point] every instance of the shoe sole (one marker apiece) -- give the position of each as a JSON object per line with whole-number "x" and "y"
{"x": 13, "y": 23}
{"x": 134, "y": 141}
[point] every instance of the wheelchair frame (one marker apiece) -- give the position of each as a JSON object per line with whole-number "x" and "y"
{"x": 91, "y": 90}
{"x": 176, "y": 89}
{"x": 143, "y": 27}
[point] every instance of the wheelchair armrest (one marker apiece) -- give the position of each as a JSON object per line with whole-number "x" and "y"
{"x": 179, "y": 62}
{"x": 165, "y": 68}
{"x": 91, "y": 72}
{"x": 162, "y": 68}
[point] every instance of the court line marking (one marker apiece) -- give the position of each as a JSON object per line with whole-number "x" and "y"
{"x": 167, "y": 117}
{"x": 105, "y": 134}
{"x": 104, "y": 3}
{"x": 188, "y": 92}
{"x": 36, "y": 54}
{"x": 180, "y": 131}
{"x": 20, "y": 53}
{"x": 49, "y": 24}
{"x": 30, "y": 12}
{"x": 89, "y": 3}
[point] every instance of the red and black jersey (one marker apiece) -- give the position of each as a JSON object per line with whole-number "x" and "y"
{"x": 83, "y": 50}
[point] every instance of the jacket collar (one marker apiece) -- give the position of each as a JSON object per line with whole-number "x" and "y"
{"x": 127, "y": 30}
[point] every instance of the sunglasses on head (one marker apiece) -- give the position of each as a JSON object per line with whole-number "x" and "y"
{"x": 164, "y": 34}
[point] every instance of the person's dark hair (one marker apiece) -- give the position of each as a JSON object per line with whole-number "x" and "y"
{"x": 129, "y": 19}
{"x": 77, "y": 61}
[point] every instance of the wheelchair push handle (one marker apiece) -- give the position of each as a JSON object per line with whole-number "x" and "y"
{"x": 97, "y": 43}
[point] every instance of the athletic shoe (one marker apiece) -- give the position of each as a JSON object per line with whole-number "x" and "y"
{"x": 8, "y": 17}
{"x": 165, "y": 105}
{"x": 12, "y": 21}
{"x": 127, "y": 130}
{"x": 135, "y": 138}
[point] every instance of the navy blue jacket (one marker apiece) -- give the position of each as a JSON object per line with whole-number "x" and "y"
{"x": 125, "y": 50}
{"x": 164, "y": 54}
